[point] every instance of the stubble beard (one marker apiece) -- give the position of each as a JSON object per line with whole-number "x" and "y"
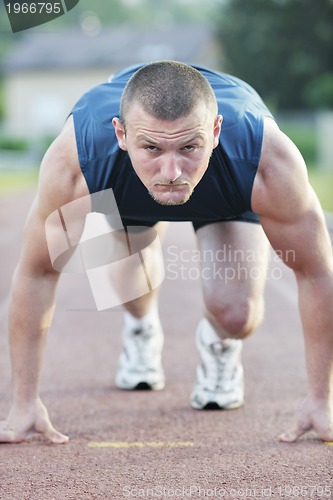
{"x": 171, "y": 201}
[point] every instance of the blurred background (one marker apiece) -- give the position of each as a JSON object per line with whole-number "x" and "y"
{"x": 284, "y": 48}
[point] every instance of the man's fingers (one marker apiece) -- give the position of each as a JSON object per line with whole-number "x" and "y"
{"x": 46, "y": 428}
{"x": 7, "y": 436}
{"x": 292, "y": 436}
{"x": 11, "y": 435}
{"x": 56, "y": 437}
{"x": 304, "y": 425}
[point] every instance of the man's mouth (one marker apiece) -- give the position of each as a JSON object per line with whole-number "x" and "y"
{"x": 176, "y": 193}
{"x": 171, "y": 185}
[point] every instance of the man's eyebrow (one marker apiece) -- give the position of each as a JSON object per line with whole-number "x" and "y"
{"x": 146, "y": 139}
{"x": 193, "y": 138}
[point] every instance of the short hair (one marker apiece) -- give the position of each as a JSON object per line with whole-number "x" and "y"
{"x": 167, "y": 90}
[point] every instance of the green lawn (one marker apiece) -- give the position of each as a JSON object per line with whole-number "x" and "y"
{"x": 322, "y": 183}
{"x": 15, "y": 181}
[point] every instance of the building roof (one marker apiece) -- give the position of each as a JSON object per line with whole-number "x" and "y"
{"x": 115, "y": 46}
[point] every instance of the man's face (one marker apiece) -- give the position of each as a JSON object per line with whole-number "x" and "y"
{"x": 169, "y": 157}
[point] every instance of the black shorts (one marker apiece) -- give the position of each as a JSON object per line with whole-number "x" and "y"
{"x": 251, "y": 217}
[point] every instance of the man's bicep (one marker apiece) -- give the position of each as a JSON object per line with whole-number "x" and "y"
{"x": 303, "y": 243}
{"x": 289, "y": 209}
{"x": 62, "y": 202}
{"x": 61, "y": 180}
{"x": 281, "y": 188}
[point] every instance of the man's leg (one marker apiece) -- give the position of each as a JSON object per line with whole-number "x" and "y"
{"x": 234, "y": 259}
{"x": 140, "y": 364}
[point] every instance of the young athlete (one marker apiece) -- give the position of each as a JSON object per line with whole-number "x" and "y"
{"x": 181, "y": 143}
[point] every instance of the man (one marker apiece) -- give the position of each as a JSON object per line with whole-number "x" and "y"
{"x": 186, "y": 144}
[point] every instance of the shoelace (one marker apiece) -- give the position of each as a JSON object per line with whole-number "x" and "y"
{"x": 139, "y": 349}
{"x": 220, "y": 372}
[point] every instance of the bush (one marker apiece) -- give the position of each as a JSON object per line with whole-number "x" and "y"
{"x": 13, "y": 144}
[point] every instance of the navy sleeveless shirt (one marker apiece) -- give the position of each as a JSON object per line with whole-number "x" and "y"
{"x": 224, "y": 191}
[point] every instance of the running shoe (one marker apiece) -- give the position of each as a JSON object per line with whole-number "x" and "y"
{"x": 140, "y": 366}
{"x": 220, "y": 380}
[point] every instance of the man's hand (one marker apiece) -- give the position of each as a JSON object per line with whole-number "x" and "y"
{"x": 316, "y": 416}
{"x": 22, "y": 423}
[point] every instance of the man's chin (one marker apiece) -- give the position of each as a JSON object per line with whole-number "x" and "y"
{"x": 171, "y": 198}
{"x": 171, "y": 202}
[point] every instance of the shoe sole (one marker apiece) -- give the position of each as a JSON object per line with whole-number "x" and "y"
{"x": 212, "y": 405}
{"x": 143, "y": 386}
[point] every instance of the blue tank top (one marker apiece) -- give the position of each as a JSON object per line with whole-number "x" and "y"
{"x": 224, "y": 191}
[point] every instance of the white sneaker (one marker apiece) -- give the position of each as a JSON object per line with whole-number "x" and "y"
{"x": 220, "y": 380}
{"x": 140, "y": 364}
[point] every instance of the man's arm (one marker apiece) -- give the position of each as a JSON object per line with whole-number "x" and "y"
{"x": 33, "y": 292}
{"x": 294, "y": 223}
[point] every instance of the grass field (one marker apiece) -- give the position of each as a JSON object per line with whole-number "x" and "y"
{"x": 321, "y": 181}
{"x": 15, "y": 181}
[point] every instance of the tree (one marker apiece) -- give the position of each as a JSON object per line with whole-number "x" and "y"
{"x": 284, "y": 48}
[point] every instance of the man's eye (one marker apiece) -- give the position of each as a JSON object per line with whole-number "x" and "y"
{"x": 151, "y": 148}
{"x": 189, "y": 147}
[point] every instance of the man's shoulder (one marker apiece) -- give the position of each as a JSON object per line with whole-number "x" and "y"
{"x": 92, "y": 116}
{"x": 236, "y": 98}
{"x": 106, "y": 95}
{"x": 100, "y": 101}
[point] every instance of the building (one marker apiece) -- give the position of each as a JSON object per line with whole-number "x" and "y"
{"x": 47, "y": 72}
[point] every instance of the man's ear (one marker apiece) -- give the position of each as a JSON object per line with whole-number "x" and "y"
{"x": 120, "y": 133}
{"x": 217, "y": 129}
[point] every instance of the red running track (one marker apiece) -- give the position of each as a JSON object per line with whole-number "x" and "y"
{"x": 213, "y": 454}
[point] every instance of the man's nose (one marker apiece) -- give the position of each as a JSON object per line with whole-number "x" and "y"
{"x": 170, "y": 169}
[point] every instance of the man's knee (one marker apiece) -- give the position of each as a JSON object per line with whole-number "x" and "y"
{"x": 237, "y": 320}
